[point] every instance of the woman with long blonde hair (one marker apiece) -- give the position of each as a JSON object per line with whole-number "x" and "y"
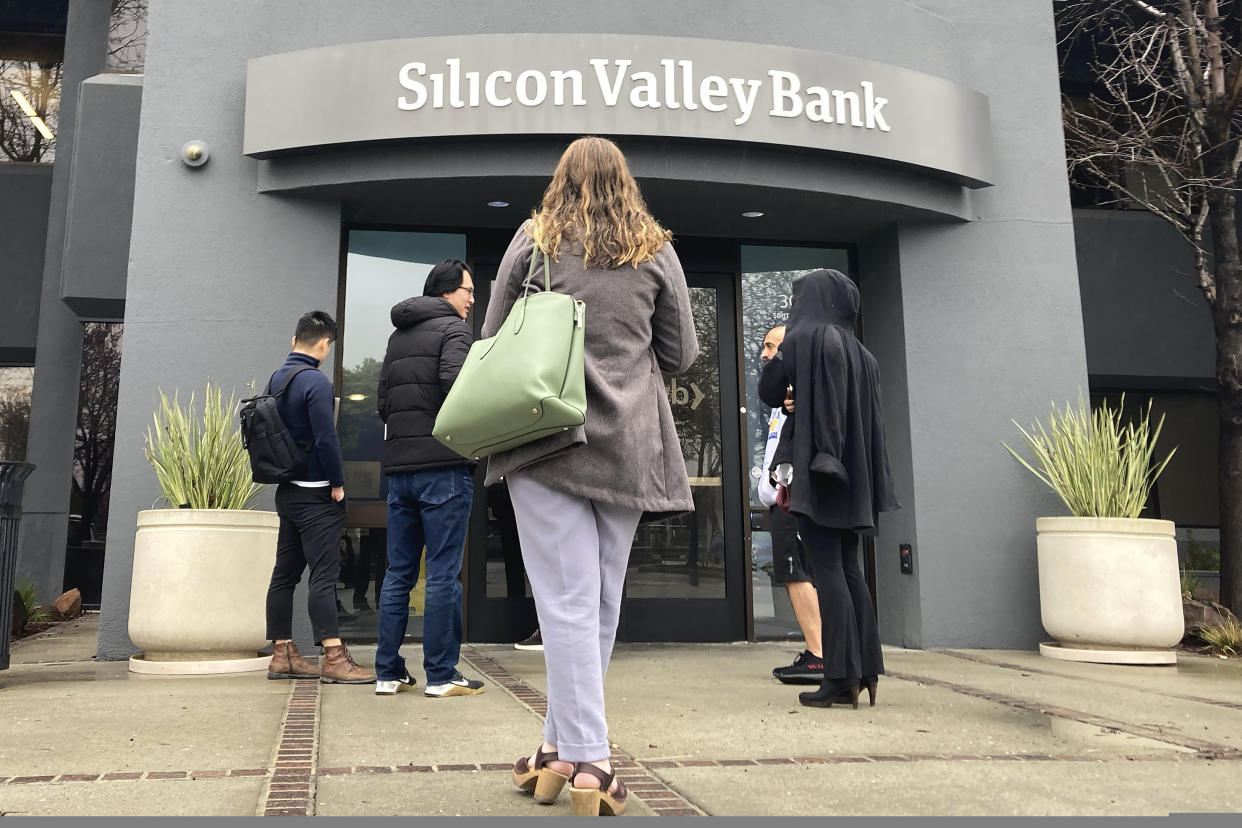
{"x": 578, "y": 497}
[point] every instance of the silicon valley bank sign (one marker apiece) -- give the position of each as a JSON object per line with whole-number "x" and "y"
{"x": 565, "y": 84}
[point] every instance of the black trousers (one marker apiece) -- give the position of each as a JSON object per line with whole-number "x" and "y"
{"x": 851, "y": 635}
{"x": 310, "y": 531}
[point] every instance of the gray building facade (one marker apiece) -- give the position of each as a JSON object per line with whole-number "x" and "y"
{"x": 960, "y": 235}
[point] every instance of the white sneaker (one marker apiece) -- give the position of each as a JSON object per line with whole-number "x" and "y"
{"x": 459, "y": 685}
{"x": 385, "y": 687}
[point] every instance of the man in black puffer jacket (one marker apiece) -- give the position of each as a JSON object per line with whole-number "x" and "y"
{"x": 430, "y": 489}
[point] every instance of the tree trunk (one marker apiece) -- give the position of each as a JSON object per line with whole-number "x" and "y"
{"x": 1227, "y": 318}
{"x": 1230, "y": 487}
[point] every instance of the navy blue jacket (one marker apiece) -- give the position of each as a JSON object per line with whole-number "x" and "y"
{"x": 307, "y": 410}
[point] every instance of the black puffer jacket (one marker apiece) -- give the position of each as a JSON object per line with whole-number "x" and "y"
{"x": 425, "y": 354}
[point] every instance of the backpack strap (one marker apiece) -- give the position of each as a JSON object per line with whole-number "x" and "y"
{"x": 284, "y": 386}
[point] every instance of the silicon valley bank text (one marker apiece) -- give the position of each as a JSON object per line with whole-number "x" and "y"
{"x": 673, "y": 87}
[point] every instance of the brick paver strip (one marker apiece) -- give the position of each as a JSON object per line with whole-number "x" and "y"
{"x": 372, "y": 769}
{"x": 167, "y": 775}
{"x": 22, "y": 780}
{"x": 496, "y": 766}
{"x": 291, "y": 790}
{"x": 208, "y": 774}
{"x": 77, "y": 777}
{"x": 1210, "y": 749}
{"x": 110, "y": 777}
{"x": 978, "y": 659}
{"x": 457, "y": 767}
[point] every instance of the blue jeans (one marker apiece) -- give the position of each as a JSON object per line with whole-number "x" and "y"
{"x": 429, "y": 508}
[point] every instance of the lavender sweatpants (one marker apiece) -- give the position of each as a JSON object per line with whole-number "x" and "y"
{"x": 576, "y": 551}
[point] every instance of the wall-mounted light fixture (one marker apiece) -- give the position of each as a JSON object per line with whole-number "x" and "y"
{"x": 38, "y": 122}
{"x": 195, "y": 153}
{"x": 753, "y": 214}
{"x": 357, "y": 397}
{"x": 497, "y": 204}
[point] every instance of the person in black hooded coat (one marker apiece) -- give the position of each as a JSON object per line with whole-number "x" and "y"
{"x": 841, "y": 476}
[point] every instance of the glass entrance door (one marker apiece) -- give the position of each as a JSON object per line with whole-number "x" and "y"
{"x": 685, "y": 581}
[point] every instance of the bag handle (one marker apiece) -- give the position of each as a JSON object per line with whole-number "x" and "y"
{"x": 530, "y": 274}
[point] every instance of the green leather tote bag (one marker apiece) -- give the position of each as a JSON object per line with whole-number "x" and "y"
{"x": 524, "y": 383}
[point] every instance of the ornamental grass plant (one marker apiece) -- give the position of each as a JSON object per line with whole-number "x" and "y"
{"x": 198, "y": 458}
{"x": 1098, "y": 465}
{"x": 1224, "y": 638}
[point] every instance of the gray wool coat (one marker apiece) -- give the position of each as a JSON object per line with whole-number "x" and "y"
{"x": 638, "y": 323}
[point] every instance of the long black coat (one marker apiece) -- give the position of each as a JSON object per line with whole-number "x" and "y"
{"x": 425, "y": 354}
{"x": 841, "y": 475}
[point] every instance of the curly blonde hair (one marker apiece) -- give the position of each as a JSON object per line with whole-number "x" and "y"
{"x": 593, "y": 200}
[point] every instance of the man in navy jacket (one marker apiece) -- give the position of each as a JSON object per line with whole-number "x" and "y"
{"x": 312, "y": 513}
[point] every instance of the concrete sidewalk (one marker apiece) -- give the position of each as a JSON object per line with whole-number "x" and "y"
{"x": 699, "y": 729}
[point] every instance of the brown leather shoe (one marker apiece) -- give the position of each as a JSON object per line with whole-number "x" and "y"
{"x": 287, "y": 663}
{"x": 339, "y": 668}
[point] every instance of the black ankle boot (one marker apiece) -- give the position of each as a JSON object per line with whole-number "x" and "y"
{"x": 841, "y": 691}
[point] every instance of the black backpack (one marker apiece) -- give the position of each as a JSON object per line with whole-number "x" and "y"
{"x": 275, "y": 457}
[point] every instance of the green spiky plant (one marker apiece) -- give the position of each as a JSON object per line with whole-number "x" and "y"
{"x": 28, "y": 594}
{"x": 1098, "y": 466}
{"x": 1225, "y": 638}
{"x": 199, "y": 459}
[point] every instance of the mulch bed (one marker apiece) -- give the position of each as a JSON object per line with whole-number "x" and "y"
{"x": 1199, "y": 648}
{"x": 33, "y": 629}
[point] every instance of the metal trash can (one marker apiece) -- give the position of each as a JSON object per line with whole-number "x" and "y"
{"x": 12, "y": 477}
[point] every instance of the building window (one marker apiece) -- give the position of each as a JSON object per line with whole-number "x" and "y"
{"x": 127, "y": 37}
{"x": 99, "y": 386}
{"x": 1188, "y": 492}
{"x": 16, "y": 385}
{"x": 30, "y": 76}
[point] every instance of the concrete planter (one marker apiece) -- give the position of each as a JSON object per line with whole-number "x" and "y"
{"x": 1109, "y": 589}
{"x": 197, "y": 597}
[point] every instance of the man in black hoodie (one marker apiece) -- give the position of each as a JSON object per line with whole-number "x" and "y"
{"x": 430, "y": 488}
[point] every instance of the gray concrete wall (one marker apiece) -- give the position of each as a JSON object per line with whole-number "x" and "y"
{"x": 993, "y": 330}
{"x": 101, "y": 197}
{"x": 25, "y": 194}
{"x": 1144, "y": 313}
{"x": 213, "y": 290}
{"x": 53, "y": 410}
{"x": 898, "y": 601}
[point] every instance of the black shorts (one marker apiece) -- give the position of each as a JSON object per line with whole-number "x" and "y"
{"x": 788, "y": 560}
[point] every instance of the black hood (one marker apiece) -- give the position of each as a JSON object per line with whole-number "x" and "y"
{"x": 418, "y": 309}
{"x": 824, "y": 297}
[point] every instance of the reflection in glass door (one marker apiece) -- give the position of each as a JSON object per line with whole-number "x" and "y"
{"x": 768, "y": 272}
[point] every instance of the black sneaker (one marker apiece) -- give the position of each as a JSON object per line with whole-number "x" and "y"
{"x": 806, "y": 669}
{"x": 532, "y": 643}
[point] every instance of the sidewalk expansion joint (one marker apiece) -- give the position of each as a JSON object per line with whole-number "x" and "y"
{"x": 991, "y": 662}
{"x": 637, "y": 787}
{"x": 289, "y": 789}
{"x": 1202, "y": 748}
{"x": 643, "y": 784}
